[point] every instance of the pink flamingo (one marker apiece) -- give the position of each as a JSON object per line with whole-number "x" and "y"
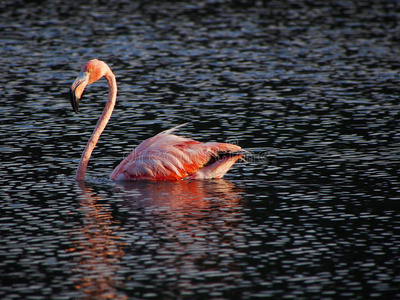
{"x": 163, "y": 157}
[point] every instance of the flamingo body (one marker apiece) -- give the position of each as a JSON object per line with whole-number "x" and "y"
{"x": 165, "y": 156}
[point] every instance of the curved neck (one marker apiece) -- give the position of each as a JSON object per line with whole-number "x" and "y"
{"x": 101, "y": 124}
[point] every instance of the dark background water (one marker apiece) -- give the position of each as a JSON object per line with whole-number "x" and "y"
{"x": 309, "y": 88}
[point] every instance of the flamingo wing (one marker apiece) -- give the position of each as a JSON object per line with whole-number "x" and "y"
{"x": 170, "y": 157}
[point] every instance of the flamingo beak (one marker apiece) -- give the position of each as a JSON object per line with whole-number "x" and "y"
{"x": 76, "y": 90}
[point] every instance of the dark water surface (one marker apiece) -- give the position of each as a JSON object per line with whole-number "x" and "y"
{"x": 309, "y": 88}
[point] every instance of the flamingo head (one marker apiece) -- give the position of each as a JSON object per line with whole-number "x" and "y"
{"x": 91, "y": 71}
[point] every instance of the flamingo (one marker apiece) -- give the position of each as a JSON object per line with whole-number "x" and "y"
{"x": 165, "y": 156}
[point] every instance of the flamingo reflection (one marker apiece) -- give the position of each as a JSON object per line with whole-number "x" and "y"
{"x": 188, "y": 229}
{"x": 98, "y": 249}
{"x": 185, "y": 194}
{"x": 197, "y": 219}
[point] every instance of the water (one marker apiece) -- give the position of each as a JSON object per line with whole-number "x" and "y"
{"x": 310, "y": 90}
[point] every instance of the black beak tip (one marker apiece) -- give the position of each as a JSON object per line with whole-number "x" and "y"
{"x": 74, "y": 100}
